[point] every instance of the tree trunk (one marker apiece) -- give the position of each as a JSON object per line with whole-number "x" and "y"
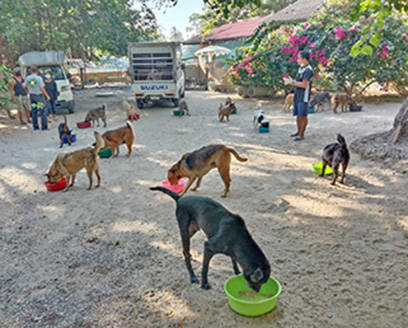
{"x": 400, "y": 129}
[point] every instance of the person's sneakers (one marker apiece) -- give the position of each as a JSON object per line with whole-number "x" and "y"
{"x": 294, "y": 134}
{"x": 298, "y": 138}
{"x": 23, "y": 123}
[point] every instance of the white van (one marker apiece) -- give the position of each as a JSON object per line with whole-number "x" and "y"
{"x": 54, "y": 61}
{"x": 156, "y": 71}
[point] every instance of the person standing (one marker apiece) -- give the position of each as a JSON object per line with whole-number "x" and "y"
{"x": 303, "y": 86}
{"x": 35, "y": 86}
{"x": 52, "y": 90}
{"x": 19, "y": 96}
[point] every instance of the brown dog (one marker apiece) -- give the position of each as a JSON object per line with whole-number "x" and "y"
{"x": 184, "y": 107}
{"x": 69, "y": 164}
{"x": 225, "y": 112}
{"x": 288, "y": 102}
{"x": 198, "y": 163}
{"x": 343, "y": 100}
{"x": 114, "y": 138}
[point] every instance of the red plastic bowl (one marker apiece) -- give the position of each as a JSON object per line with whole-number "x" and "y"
{"x": 178, "y": 188}
{"x": 83, "y": 125}
{"x": 133, "y": 117}
{"x": 56, "y": 186}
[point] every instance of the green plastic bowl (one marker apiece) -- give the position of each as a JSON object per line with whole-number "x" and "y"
{"x": 234, "y": 111}
{"x": 318, "y": 167}
{"x": 178, "y": 112}
{"x": 105, "y": 153}
{"x": 243, "y": 300}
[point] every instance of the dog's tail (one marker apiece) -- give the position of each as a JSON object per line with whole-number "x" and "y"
{"x": 99, "y": 144}
{"x": 341, "y": 140}
{"x": 65, "y": 123}
{"x": 172, "y": 194}
{"x": 233, "y": 152}
{"x": 130, "y": 127}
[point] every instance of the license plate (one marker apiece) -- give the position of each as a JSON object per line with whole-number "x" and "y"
{"x": 155, "y": 98}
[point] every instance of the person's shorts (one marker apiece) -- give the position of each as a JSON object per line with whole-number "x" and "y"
{"x": 300, "y": 109}
{"x": 23, "y": 103}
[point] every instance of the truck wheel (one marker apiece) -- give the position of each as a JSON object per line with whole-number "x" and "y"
{"x": 139, "y": 103}
{"x": 71, "y": 108}
{"x": 183, "y": 93}
{"x": 175, "y": 102}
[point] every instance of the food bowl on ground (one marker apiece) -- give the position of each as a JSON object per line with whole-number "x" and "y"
{"x": 177, "y": 112}
{"x": 355, "y": 108}
{"x": 83, "y": 125}
{"x": 105, "y": 153}
{"x": 234, "y": 111}
{"x": 72, "y": 139}
{"x": 318, "y": 167}
{"x": 56, "y": 186}
{"x": 243, "y": 300}
{"x": 178, "y": 188}
{"x": 133, "y": 117}
{"x": 311, "y": 110}
{"x": 263, "y": 129}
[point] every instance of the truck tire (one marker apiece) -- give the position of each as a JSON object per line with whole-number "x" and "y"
{"x": 175, "y": 101}
{"x": 139, "y": 104}
{"x": 71, "y": 108}
{"x": 183, "y": 93}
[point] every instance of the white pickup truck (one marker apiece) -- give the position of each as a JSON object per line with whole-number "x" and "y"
{"x": 156, "y": 71}
{"x": 53, "y": 61}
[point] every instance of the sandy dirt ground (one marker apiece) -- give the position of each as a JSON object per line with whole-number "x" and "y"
{"x": 111, "y": 257}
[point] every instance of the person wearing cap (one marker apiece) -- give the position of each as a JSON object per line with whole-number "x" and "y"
{"x": 35, "y": 86}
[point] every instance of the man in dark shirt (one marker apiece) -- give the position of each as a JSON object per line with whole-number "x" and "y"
{"x": 303, "y": 86}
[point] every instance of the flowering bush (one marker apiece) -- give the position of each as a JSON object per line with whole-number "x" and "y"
{"x": 329, "y": 38}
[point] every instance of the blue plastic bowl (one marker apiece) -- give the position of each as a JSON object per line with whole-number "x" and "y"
{"x": 65, "y": 139}
{"x": 263, "y": 129}
{"x": 310, "y": 110}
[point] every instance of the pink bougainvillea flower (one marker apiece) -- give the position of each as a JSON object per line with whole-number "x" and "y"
{"x": 305, "y": 26}
{"x": 366, "y": 20}
{"x": 384, "y": 53}
{"x": 352, "y": 30}
{"x": 340, "y": 33}
{"x": 318, "y": 76}
{"x": 404, "y": 38}
{"x": 269, "y": 47}
{"x": 262, "y": 69}
{"x": 312, "y": 44}
{"x": 284, "y": 50}
{"x": 249, "y": 70}
{"x": 386, "y": 89}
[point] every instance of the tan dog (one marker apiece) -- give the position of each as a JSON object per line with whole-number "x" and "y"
{"x": 129, "y": 108}
{"x": 96, "y": 114}
{"x": 343, "y": 100}
{"x": 225, "y": 112}
{"x": 288, "y": 102}
{"x": 69, "y": 164}
{"x": 114, "y": 138}
{"x": 198, "y": 163}
{"x": 184, "y": 107}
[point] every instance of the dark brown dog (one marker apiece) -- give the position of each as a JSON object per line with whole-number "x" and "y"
{"x": 343, "y": 100}
{"x": 198, "y": 163}
{"x": 69, "y": 164}
{"x": 334, "y": 155}
{"x": 225, "y": 112}
{"x": 114, "y": 138}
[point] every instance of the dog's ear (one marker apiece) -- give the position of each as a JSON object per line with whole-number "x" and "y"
{"x": 256, "y": 276}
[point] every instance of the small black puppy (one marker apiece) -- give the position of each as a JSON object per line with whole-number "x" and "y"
{"x": 226, "y": 233}
{"x": 63, "y": 130}
{"x": 319, "y": 100}
{"x": 334, "y": 155}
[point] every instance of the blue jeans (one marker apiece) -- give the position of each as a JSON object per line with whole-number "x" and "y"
{"x": 51, "y": 107}
{"x": 38, "y": 105}
{"x": 300, "y": 108}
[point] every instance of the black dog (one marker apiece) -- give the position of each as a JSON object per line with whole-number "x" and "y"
{"x": 334, "y": 155}
{"x": 63, "y": 130}
{"x": 319, "y": 100}
{"x": 226, "y": 233}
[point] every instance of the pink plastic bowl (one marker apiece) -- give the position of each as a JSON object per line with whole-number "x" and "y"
{"x": 178, "y": 188}
{"x": 56, "y": 186}
{"x": 83, "y": 125}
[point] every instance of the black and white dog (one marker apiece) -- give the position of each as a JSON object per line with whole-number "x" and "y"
{"x": 259, "y": 118}
{"x": 319, "y": 100}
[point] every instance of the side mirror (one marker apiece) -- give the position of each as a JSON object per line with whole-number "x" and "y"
{"x": 69, "y": 75}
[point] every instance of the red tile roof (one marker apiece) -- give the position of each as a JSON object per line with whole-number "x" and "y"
{"x": 231, "y": 31}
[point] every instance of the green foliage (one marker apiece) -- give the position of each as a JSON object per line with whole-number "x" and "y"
{"x": 5, "y": 78}
{"x": 329, "y": 37}
{"x": 77, "y": 27}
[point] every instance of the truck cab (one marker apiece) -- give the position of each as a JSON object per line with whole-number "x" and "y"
{"x": 55, "y": 62}
{"x": 156, "y": 71}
